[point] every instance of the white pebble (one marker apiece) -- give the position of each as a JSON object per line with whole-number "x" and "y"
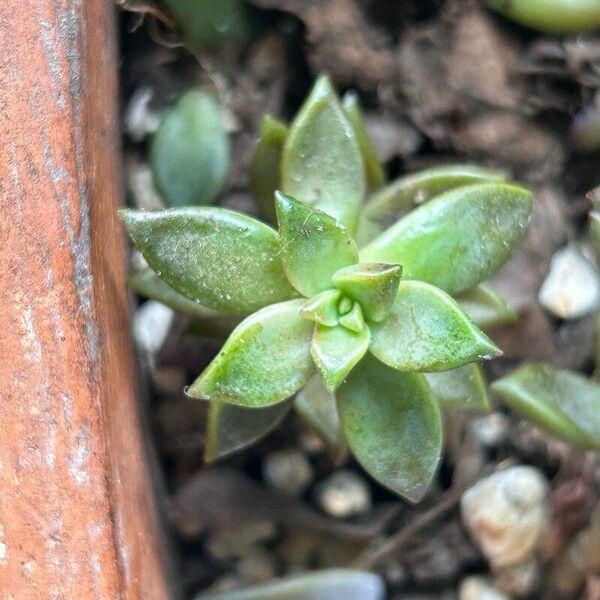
{"x": 151, "y": 324}
{"x": 507, "y": 513}
{"x": 478, "y": 588}
{"x": 344, "y": 494}
{"x": 572, "y": 287}
{"x": 288, "y": 471}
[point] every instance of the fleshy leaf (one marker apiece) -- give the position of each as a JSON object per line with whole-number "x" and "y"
{"x": 321, "y": 162}
{"x": 393, "y": 201}
{"x": 373, "y": 167}
{"x": 313, "y": 245}
{"x": 148, "y": 284}
{"x": 336, "y": 350}
{"x": 393, "y": 426}
{"x": 317, "y": 406}
{"x": 265, "y": 360}
{"x": 353, "y": 319}
{"x": 462, "y": 388}
{"x": 562, "y": 402}
{"x": 457, "y": 239}
{"x": 322, "y": 308}
{"x": 209, "y": 24}
{"x": 266, "y": 165}
{"x": 327, "y": 584}
{"x": 373, "y": 285}
{"x": 428, "y": 331}
{"x": 190, "y": 151}
{"x": 219, "y": 258}
{"x": 230, "y": 428}
{"x": 486, "y": 307}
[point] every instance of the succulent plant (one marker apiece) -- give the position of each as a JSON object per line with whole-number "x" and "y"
{"x": 368, "y": 335}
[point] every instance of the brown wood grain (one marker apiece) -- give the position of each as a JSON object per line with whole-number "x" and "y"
{"x": 77, "y": 514}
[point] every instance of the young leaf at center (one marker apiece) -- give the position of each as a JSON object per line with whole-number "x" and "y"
{"x": 265, "y": 360}
{"x": 313, "y": 245}
{"x": 374, "y": 286}
{"x": 393, "y": 426}
{"x": 428, "y": 331}
{"x": 336, "y": 350}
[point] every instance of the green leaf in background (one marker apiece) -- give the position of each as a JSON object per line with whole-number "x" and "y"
{"x": 266, "y": 165}
{"x": 328, "y": 584}
{"x": 321, "y": 163}
{"x": 428, "y": 331}
{"x": 393, "y": 201}
{"x": 552, "y": 16}
{"x": 373, "y": 167}
{"x": 317, "y": 407}
{"x": 148, "y": 284}
{"x": 209, "y": 24}
{"x": 393, "y": 426}
{"x": 336, "y": 350}
{"x": 219, "y": 258}
{"x": 190, "y": 152}
{"x": 230, "y": 428}
{"x": 457, "y": 239}
{"x": 313, "y": 245}
{"x": 266, "y": 359}
{"x": 373, "y": 285}
{"x": 562, "y": 402}
{"x": 462, "y": 388}
{"x": 322, "y": 308}
{"x": 486, "y": 307}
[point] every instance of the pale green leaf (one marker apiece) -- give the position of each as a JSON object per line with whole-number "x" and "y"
{"x": 317, "y": 407}
{"x": 353, "y": 319}
{"x": 373, "y": 285}
{"x": 562, "y": 402}
{"x": 393, "y": 426}
{"x": 209, "y": 24}
{"x": 266, "y": 359}
{"x": 336, "y": 350}
{"x": 428, "y": 331}
{"x": 323, "y": 308}
{"x": 327, "y": 584}
{"x": 373, "y": 167}
{"x": 231, "y": 428}
{"x": 486, "y": 307}
{"x": 190, "y": 151}
{"x": 265, "y": 165}
{"x": 148, "y": 284}
{"x": 462, "y": 388}
{"x": 321, "y": 163}
{"x": 219, "y": 258}
{"x": 552, "y": 16}
{"x": 400, "y": 196}
{"x": 457, "y": 239}
{"x": 313, "y": 245}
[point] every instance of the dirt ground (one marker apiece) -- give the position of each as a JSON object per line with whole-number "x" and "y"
{"x": 441, "y": 82}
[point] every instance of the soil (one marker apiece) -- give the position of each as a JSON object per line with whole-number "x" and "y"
{"x": 441, "y": 82}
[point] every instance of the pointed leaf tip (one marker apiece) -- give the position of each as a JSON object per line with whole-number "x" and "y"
{"x": 313, "y": 246}
{"x": 265, "y": 360}
{"x": 336, "y": 351}
{"x": 427, "y": 330}
{"x": 218, "y": 257}
{"x": 459, "y": 238}
{"x": 393, "y": 426}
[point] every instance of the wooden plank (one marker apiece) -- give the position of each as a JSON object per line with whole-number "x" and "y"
{"x": 77, "y": 513}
